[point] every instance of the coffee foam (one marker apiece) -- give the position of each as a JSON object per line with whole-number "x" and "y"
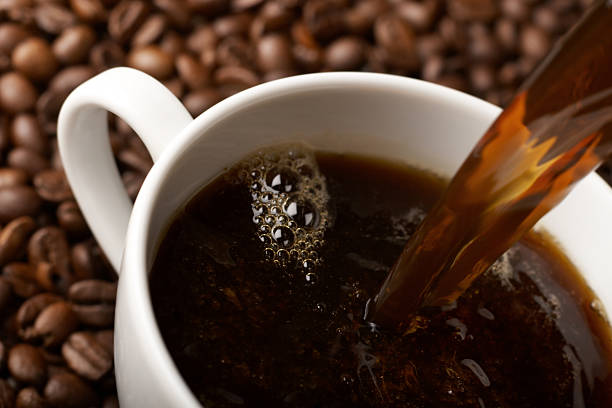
{"x": 289, "y": 203}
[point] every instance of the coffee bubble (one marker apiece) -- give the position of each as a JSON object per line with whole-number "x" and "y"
{"x": 283, "y": 236}
{"x": 289, "y": 204}
{"x": 282, "y": 180}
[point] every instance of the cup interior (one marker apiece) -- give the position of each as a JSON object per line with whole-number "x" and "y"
{"x": 424, "y": 125}
{"x": 420, "y": 124}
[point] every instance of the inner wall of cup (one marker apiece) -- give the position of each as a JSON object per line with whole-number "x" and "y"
{"x": 430, "y": 130}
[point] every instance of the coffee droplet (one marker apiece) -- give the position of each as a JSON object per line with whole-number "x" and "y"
{"x": 289, "y": 204}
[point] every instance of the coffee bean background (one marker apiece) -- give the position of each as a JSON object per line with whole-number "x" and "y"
{"x": 57, "y": 290}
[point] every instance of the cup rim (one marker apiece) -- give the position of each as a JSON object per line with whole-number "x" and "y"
{"x": 135, "y": 252}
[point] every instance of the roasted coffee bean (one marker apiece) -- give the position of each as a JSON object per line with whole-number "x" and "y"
{"x": 508, "y": 74}
{"x": 482, "y": 77}
{"x": 19, "y": 11}
{"x": 235, "y": 51}
{"x": 534, "y": 42}
{"x": 5, "y": 297}
{"x": 52, "y": 185}
{"x": 70, "y": 218}
{"x": 233, "y": 24}
{"x": 345, "y": 54}
{"x": 324, "y": 18}
{"x": 14, "y": 237}
{"x": 28, "y": 160}
{"x": 96, "y": 315}
{"x": 106, "y": 54}
{"x": 55, "y": 323}
{"x": 517, "y": 10}
{"x": 52, "y": 279}
{"x": 29, "y": 398}
{"x": 152, "y": 60}
{"x": 191, "y": 71}
{"x": 86, "y": 356}
{"x": 545, "y": 18}
{"x": 201, "y": 38}
{"x": 452, "y": 33}
{"x": 93, "y": 291}
{"x": 29, "y": 312}
{"x": 73, "y": 44}
{"x": 243, "y": 5}
{"x": 176, "y": 11}
{"x": 88, "y": 262}
{"x": 7, "y": 394}
{"x": 174, "y": 85}
{"x": 208, "y": 8}
{"x": 122, "y": 127}
{"x": 67, "y": 390}
{"x": 397, "y": 41}
{"x": 360, "y": 18}
{"x": 89, "y": 10}
{"x": 132, "y": 159}
{"x": 82, "y": 261}
{"x": 135, "y": 144}
{"x": 51, "y": 358}
{"x": 172, "y": 43}
{"x": 105, "y": 338}
{"x": 17, "y": 201}
{"x": 26, "y": 132}
{"x": 49, "y": 244}
{"x": 274, "y": 16}
{"x": 240, "y": 76}
{"x": 274, "y": 53}
{"x": 10, "y": 177}
{"x": 506, "y": 34}
{"x": 33, "y": 57}
{"x": 310, "y": 59}
{"x": 125, "y": 18}
{"x": 482, "y": 47}
{"x": 47, "y": 109}
{"x": 433, "y": 67}
{"x": 472, "y": 10}
{"x": 26, "y": 364}
{"x": 69, "y": 78}
{"x": 454, "y": 81}
{"x": 196, "y": 102}
{"x": 420, "y": 15}
{"x": 53, "y": 18}
{"x": 150, "y": 30}
{"x": 22, "y": 278}
{"x": 11, "y": 34}
{"x": 17, "y": 94}
{"x": 428, "y": 45}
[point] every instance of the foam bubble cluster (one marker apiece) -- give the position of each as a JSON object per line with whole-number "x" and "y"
{"x": 289, "y": 204}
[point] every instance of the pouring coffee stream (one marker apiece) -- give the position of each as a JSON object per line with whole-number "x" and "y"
{"x": 556, "y": 130}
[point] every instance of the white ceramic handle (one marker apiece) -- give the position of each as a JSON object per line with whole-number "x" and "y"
{"x": 154, "y": 113}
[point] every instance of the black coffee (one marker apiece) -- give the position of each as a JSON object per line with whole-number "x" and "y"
{"x": 261, "y": 282}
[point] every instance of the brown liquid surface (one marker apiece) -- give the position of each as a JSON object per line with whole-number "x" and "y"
{"x": 556, "y": 130}
{"x": 247, "y": 328}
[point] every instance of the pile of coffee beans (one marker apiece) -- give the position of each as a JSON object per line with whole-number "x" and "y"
{"x": 57, "y": 289}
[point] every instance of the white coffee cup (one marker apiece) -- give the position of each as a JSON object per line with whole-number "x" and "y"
{"x": 398, "y": 118}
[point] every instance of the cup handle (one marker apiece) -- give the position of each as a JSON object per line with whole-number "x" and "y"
{"x": 156, "y": 116}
